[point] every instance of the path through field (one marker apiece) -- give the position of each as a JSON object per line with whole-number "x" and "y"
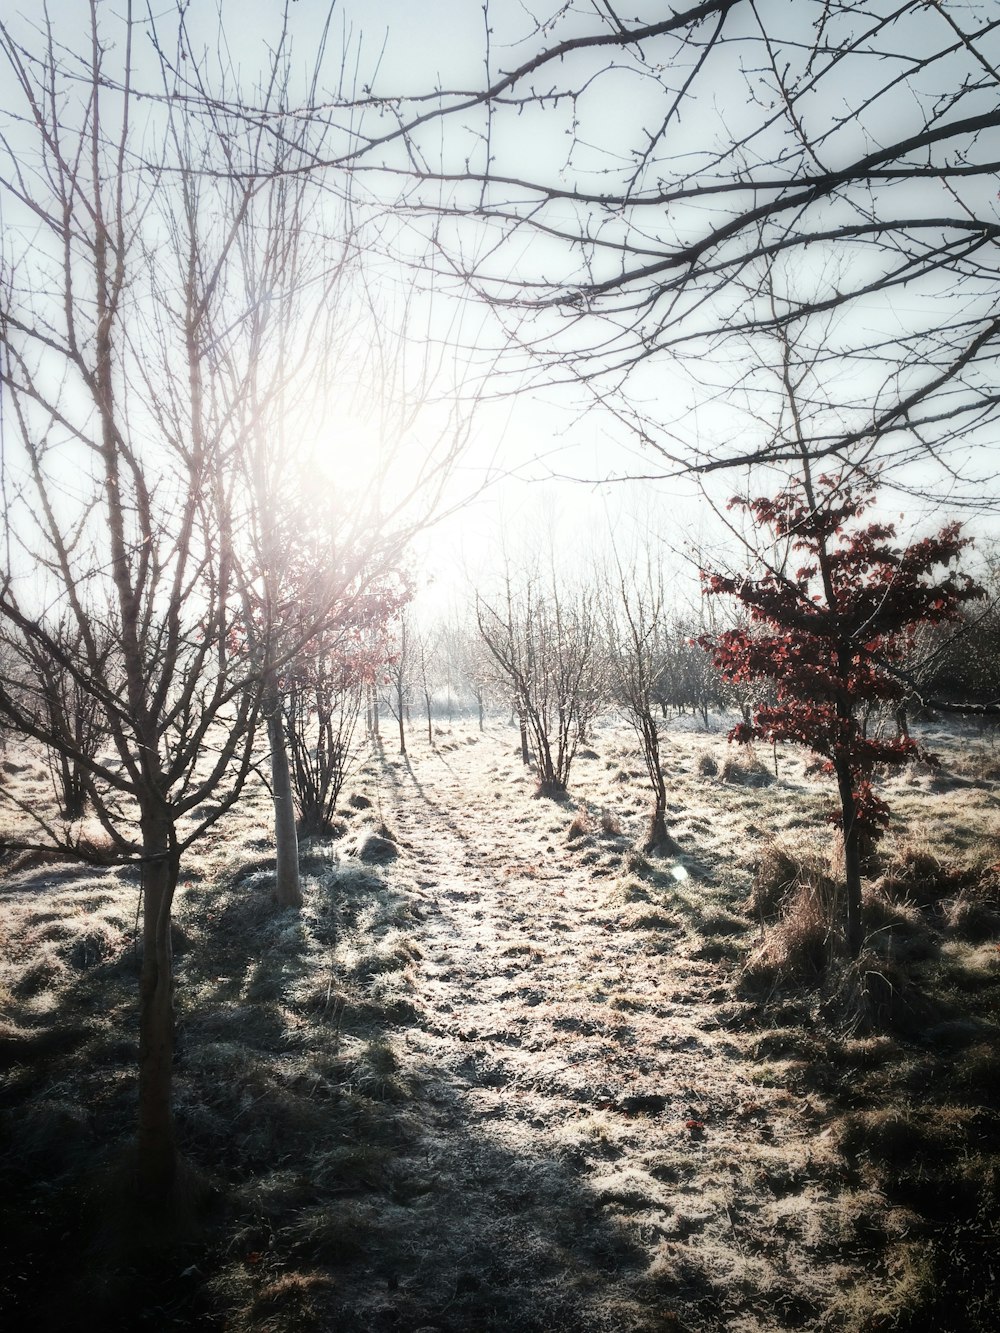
{"x": 504, "y": 1074}
{"x": 598, "y": 1153}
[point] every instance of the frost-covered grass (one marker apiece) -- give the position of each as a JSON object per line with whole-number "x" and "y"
{"x": 520, "y": 1076}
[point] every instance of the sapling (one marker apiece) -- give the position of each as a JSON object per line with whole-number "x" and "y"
{"x": 832, "y": 634}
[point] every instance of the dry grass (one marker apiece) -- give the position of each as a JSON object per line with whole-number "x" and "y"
{"x": 746, "y": 770}
{"x": 580, "y": 826}
{"x": 516, "y": 1075}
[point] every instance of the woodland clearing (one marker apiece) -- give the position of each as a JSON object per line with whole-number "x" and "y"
{"x": 503, "y": 1072}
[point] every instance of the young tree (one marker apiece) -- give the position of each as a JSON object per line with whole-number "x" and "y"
{"x": 321, "y": 710}
{"x": 636, "y": 628}
{"x": 126, "y": 581}
{"x": 475, "y": 667}
{"x": 318, "y": 617}
{"x": 372, "y": 704}
{"x": 544, "y": 643}
{"x": 398, "y": 675}
{"x": 832, "y": 634}
{"x": 426, "y": 649}
{"x": 69, "y": 712}
{"x": 322, "y": 693}
{"x": 145, "y": 259}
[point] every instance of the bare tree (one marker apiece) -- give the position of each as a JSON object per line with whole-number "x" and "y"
{"x": 544, "y": 643}
{"x": 322, "y": 707}
{"x": 322, "y": 691}
{"x": 372, "y": 712}
{"x": 398, "y": 674}
{"x": 703, "y": 177}
{"x": 474, "y": 667}
{"x": 426, "y": 649}
{"x": 148, "y": 246}
{"x": 106, "y": 361}
{"x": 636, "y": 628}
{"x": 68, "y": 711}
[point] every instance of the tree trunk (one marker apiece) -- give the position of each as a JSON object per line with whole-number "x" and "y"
{"x": 287, "y": 886}
{"x": 399, "y": 715}
{"x": 157, "y": 1144}
{"x": 902, "y": 726}
{"x": 479, "y": 703}
{"x": 74, "y": 798}
{"x": 852, "y": 862}
{"x": 658, "y": 838}
{"x": 525, "y": 752}
{"x": 430, "y": 730}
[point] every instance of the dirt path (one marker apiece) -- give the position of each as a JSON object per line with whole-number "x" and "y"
{"x": 598, "y": 1153}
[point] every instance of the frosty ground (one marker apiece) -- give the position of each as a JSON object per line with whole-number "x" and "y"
{"x": 512, "y": 1074}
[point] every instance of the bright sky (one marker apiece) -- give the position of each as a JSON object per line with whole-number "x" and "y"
{"x": 524, "y": 446}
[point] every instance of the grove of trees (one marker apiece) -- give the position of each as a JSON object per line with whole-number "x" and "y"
{"x": 175, "y": 296}
{"x": 755, "y": 236}
{"x": 543, "y": 641}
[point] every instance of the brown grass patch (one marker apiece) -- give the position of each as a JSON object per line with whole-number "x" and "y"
{"x": 917, "y": 874}
{"x": 746, "y": 771}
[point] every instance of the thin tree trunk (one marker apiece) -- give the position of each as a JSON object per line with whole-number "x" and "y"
{"x": 287, "y": 886}
{"x": 430, "y": 730}
{"x": 399, "y": 715}
{"x": 157, "y": 1144}
{"x": 659, "y": 839}
{"x": 525, "y": 752}
{"x": 902, "y": 727}
{"x": 852, "y": 862}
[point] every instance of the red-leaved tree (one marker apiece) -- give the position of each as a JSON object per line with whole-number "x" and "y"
{"x": 830, "y": 624}
{"x": 322, "y": 690}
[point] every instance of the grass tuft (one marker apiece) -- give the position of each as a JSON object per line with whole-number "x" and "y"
{"x": 868, "y": 995}
{"x": 580, "y": 826}
{"x": 746, "y": 771}
{"x": 611, "y": 826}
{"x": 798, "y": 944}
